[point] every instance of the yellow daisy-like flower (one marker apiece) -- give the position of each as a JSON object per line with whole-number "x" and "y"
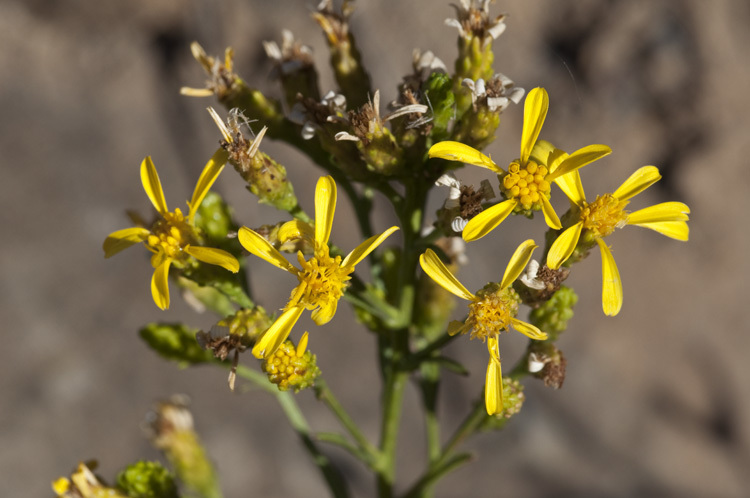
{"x": 322, "y": 278}
{"x": 526, "y": 184}
{"x": 599, "y": 219}
{"x": 173, "y": 239}
{"x": 492, "y": 310}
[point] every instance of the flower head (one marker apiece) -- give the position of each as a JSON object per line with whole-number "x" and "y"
{"x": 173, "y": 238}
{"x": 492, "y": 310}
{"x": 526, "y": 183}
{"x": 322, "y": 278}
{"x": 601, "y": 217}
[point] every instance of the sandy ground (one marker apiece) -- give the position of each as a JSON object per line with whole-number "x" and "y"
{"x": 656, "y": 400}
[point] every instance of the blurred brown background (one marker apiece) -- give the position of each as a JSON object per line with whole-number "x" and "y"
{"x": 656, "y": 400}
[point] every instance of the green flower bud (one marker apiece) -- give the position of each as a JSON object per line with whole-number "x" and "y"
{"x": 214, "y": 219}
{"x": 147, "y": 480}
{"x": 438, "y": 91}
{"x": 175, "y": 342}
{"x": 513, "y": 398}
{"x": 477, "y": 127}
{"x": 552, "y": 316}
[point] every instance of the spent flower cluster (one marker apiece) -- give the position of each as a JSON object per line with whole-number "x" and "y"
{"x": 405, "y": 295}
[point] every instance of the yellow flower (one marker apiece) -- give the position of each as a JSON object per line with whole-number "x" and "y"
{"x": 322, "y": 278}
{"x": 492, "y": 310}
{"x": 526, "y": 184}
{"x": 173, "y": 239}
{"x": 83, "y": 483}
{"x": 599, "y": 219}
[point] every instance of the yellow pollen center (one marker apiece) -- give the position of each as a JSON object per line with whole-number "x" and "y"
{"x": 170, "y": 235}
{"x": 322, "y": 280}
{"x": 602, "y": 216}
{"x": 526, "y": 183}
{"x": 491, "y": 311}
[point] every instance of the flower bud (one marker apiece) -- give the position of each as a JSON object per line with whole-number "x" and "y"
{"x": 292, "y": 367}
{"x": 513, "y": 398}
{"x": 175, "y": 342}
{"x": 552, "y": 315}
{"x": 147, "y": 480}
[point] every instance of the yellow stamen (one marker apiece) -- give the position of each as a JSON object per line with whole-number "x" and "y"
{"x": 602, "y": 216}
{"x": 322, "y": 280}
{"x": 170, "y": 235}
{"x": 491, "y": 311}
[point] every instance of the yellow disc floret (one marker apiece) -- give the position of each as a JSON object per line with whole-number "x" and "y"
{"x": 170, "y": 234}
{"x": 491, "y": 311}
{"x": 322, "y": 280}
{"x": 602, "y": 216}
{"x": 527, "y": 184}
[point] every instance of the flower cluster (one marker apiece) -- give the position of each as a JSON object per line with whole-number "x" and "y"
{"x": 386, "y": 157}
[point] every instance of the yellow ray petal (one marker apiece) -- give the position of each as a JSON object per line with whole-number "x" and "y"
{"x": 611, "y": 283}
{"x": 550, "y": 216}
{"x": 325, "y": 205}
{"x": 160, "y": 284}
{"x": 296, "y": 229}
{"x": 487, "y": 220}
{"x": 493, "y": 385}
{"x": 437, "y": 271}
{"x": 456, "y": 151}
{"x": 564, "y": 246}
{"x": 210, "y": 173}
{"x": 572, "y": 187}
{"x": 302, "y": 344}
{"x": 534, "y": 111}
{"x": 674, "y": 229}
{"x": 579, "y": 159}
{"x": 324, "y": 314}
{"x": 639, "y": 181}
{"x": 214, "y": 256}
{"x": 666, "y": 211}
{"x": 277, "y": 333}
{"x": 361, "y": 251}
{"x": 541, "y": 153}
{"x": 528, "y": 330}
{"x": 256, "y": 244}
{"x": 456, "y": 327}
{"x": 518, "y": 262}
{"x": 152, "y": 185}
{"x": 555, "y": 156}
{"x": 122, "y": 239}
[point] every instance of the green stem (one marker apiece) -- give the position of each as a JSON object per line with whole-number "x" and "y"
{"x": 323, "y": 393}
{"x": 297, "y": 420}
{"x": 392, "y": 401}
{"x": 422, "y": 486}
{"x": 470, "y": 424}
{"x": 429, "y": 387}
